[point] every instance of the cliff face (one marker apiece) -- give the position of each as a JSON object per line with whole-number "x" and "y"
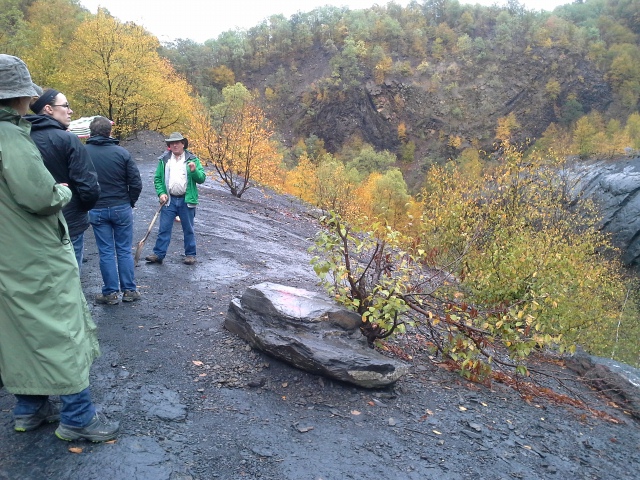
{"x": 433, "y": 103}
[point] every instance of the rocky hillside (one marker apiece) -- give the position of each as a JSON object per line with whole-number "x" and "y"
{"x": 429, "y": 80}
{"x": 469, "y": 106}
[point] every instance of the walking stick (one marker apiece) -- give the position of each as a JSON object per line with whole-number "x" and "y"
{"x": 136, "y": 258}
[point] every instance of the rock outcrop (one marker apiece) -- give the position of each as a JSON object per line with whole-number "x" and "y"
{"x": 615, "y": 187}
{"x": 310, "y": 332}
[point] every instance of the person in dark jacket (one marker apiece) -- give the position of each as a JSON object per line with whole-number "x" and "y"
{"x": 68, "y": 161}
{"x": 112, "y": 216}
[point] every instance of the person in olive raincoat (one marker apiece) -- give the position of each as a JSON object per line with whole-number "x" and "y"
{"x": 47, "y": 337}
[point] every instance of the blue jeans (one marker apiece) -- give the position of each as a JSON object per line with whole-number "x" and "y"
{"x": 113, "y": 229}
{"x": 177, "y": 207}
{"x": 78, "y": 248}
{"x": 77, "y": 409}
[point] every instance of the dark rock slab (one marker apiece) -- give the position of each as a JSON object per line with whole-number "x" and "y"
{"x": 310, "y": 332}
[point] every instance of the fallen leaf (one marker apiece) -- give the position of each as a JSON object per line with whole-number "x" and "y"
{"x": 355, "y": 412}
{"x": 462, "y": 409}
{"x": 429, "y": 412}
{"x": 285, "y": 385}
{"x": 110, "y": 442}
{"x": 483, "y": 404}
{"x": 198, "y": 363}
{"x": 75, "y": 449}
{"x": 202, "y": 375}
{"x": 436, "y": 432}
{"x": 371, "y": 403}
{"x": 526, "y": 446}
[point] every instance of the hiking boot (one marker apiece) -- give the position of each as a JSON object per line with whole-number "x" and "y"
{"x": 47, "y": 413}
{"x": 153, "y": 258}
{"x": 98, "y": 430}
{"x": 130, "y": 296}
{"x": 189, "y": 260}
{"x": 111, "y": 299}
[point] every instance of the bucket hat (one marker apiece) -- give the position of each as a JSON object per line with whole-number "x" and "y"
{"x": 15, "y": 80}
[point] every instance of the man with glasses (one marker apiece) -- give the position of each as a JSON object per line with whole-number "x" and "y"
{"x": 67, "y": 160}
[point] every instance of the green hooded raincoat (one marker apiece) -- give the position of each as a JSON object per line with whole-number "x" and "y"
{"x": 47, "y": 337}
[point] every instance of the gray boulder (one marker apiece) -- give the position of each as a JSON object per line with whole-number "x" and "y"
{"x": 614, "y": 185}
{"x": 310, "y": 332}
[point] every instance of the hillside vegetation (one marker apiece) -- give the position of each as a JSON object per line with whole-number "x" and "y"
{"x": 429, "y": 81}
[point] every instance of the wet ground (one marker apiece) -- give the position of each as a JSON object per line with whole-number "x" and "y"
{"x": 195, "y": 402}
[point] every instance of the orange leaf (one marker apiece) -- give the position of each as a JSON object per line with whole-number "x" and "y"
{"x": 75, "y": 449}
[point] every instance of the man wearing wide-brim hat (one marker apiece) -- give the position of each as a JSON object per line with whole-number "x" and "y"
{"x": 177, "y": 175}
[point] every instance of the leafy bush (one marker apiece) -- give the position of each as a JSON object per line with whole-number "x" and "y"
{"x": 491, "y": 271}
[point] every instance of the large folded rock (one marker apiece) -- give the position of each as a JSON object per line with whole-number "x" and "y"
{"x": 310, "y": 332}
{"x": 614, "y": 186}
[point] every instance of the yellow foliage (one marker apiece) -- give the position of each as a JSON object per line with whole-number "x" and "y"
{"x": 382, "y": 69}
{"x": 553, "y": 88}
{"x": 402, "y": 131}
{"x": 301, "y": 180}
{"x": 220, "y": 76}
{"x": 237, "y": 140}
{"x": 44, "y": 56}
{"x": 470, "y": 163}
{"x": 113, "y": 69}
{"x": 51, "y": 23}
{"x": 506, "y": 125}
{"x": 269, "y": 94}
{"x": 517, "y": 244}
{"x": 455, "y": 141}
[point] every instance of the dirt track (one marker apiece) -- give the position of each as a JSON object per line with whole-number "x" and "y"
{"x": 196, "y": 403}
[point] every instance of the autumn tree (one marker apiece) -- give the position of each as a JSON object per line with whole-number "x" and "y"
{"x": 236, "y": 138}
{"x": 335, "y": 186}
{"x": 113, "y": 69}
{"x": 506, "y": 126}
{"x": 585, "y": 135}
{"x": 51, "y": 26}
{"x": 388, "y": 197}
{"x": 220, "y": 77}
{"x": 368, "y": 161}
{"x": 632, "y": 129}
{"x": 302, "y": 180}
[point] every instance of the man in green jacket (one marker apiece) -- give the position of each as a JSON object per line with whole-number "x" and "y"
{"x": 47, "y": 337}
{"x": 177, "y": 175}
